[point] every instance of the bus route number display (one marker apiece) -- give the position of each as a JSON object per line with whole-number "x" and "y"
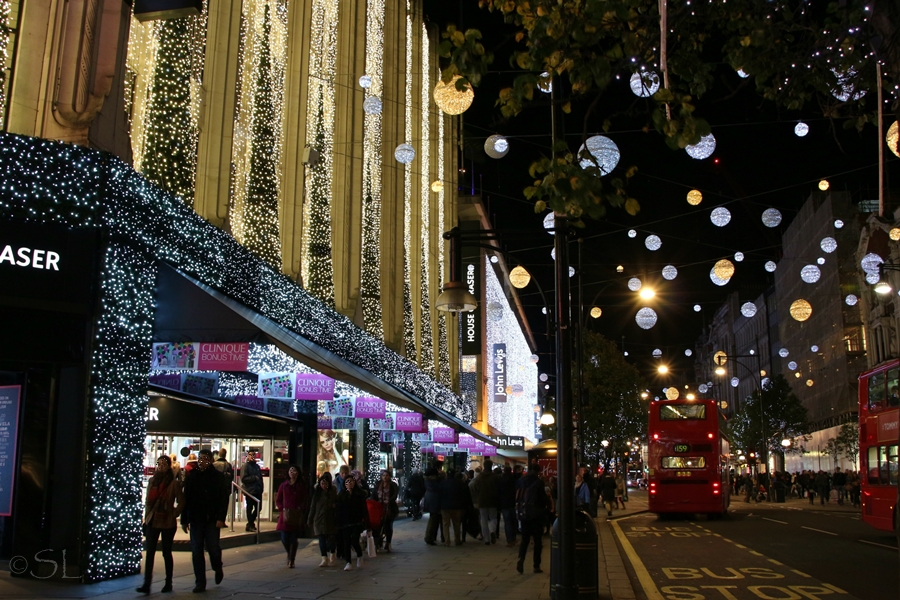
{"x": 682, "y": 448}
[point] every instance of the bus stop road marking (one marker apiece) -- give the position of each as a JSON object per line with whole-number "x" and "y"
{"x": 877, "y": 544}
{"x": 650, "y": 589}
{"x": 819, "y": 530}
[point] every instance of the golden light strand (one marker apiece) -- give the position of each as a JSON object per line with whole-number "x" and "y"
{"x": 409, "y": 329}
{"x": 426, "y": 360}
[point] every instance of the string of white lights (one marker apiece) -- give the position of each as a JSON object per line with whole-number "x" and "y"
{"x": 426, "y": 356}
{"x": 444, "y": 371}
{"x": 409, "y": 327}
{"x": 5, "y": 8}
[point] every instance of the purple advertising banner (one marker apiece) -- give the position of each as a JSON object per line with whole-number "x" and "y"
{"x": 478, "y": 447}
{"x": 344, "y": 423}
{"x": 341, "y": 407}
{"x": 489, "y": 450}
{"x": 313, "y": 387}
{"x": 421, "y": 437}
{"x": 323, "y": 422}
{"x": 443, "y": 435}
{"x": 9, "y": 435}
{"x": 409, "y": 421}
{"x": 254, "y": 402}
{"x": 466, "y": 441}
{"x": 170, "y": 380}
{"x": 385, "y": 424}
{"x": 370, "y": 408}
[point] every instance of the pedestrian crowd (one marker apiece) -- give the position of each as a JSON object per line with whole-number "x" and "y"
{"x": 839, "y": 487}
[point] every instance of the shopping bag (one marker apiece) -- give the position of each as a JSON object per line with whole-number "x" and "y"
{"x": 370, "y": 546}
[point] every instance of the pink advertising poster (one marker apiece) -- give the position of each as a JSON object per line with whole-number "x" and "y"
{"x": 227, "y": 356}
{"x": 466, "y": 441}
{"x": 409, "y": 421}
{"x": 444, "y": 435}
{"x": 489, "y": 450}
{"x": 254, "y": 402}
{"x": 167, "y": 380}
{"x": 276, "y": 385}
{"x": 370, "y": 408}
{"x": 313, "y": 386}
{"x": 385, "y": 424}
{"x": 340, "y": 407}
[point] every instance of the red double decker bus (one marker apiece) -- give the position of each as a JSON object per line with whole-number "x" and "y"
{"x": 687, "y": 458}
{"x": 879, "y": 399}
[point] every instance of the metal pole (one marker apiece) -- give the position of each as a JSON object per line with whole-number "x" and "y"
{"x": 579, "y": 359}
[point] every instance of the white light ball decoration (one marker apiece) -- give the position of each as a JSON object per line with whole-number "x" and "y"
{"x": 735, "y": 382}
{"x": 494, "y": 259}
{"x": 820, "y": 260}
{"x": 838, "y": 224}
{"x": 672, "y": 393}
{"x": 801, "y": 129}
{"x": 697, "y": 308}
{"x": 365, "y": 82}
{"x": 495, "y": 311}
{"x": 792, "y": 366}
{"x": 546, "y": 83}
{"x": 743, "y": 74}
{"x": 846, "y": 90}
{"x": 702, "y": 149}
{"x": 451, "y": 100}
{"x": 605, "y": 153}
{"x": 657, "y": 353}
{"x": 632, "y": 233}
{"x": 550, "y": 222}
{"x": 748, "y": 309}
{"x": 669, "y": 272}
{"x": 872, "y": 278}
{"x": 771, "y": 217}
{"x": 553, "y": 253}
{"x": 771, "y": 266}
{"x": 534, "y": 358}
{"x": 739, "y": 257}
{"x": 814, "y": 348}
{"x": 716, "y": 279}
{"x": 783, "y": 353}
{"x": 645, "y": 318}
{"x": 851, "y": 300}
{"x": 496, "y": 146}
{"x": 702, "y": 388}
{"x": 372, "y": 105}
{"x": 720, "y": 216}
{"x": 688, "y": 352}
{"x": 828, "y": 244}
{"x": 571, "y": 271}
{"x": 810, "y": 273}
{"x": 870, "y": 262}
{"x": 634, "y": 284}
{"x": 653, "y": 243}
{"x": 765, "y": 382}
{"x": 404, "y": 154}
{"x": 544, "y": 310}
{"x": 645, "y": 84}
{"x": 543, "y": 377}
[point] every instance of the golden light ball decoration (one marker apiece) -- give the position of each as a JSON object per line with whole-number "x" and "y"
{"x": 596, "y": 312}
{"x": 895, "y": 233}
{"x": 824, "y": 185}
{"x": 801, "y": 310}
{"x": 694, "y": 197}
{"x": 437, "y": 186}
{"x": 893, "y": 138}
{"x": 724, "y": 269}
{"x": 519, "y": 277}
{"x": 720, "y": 357}
{"x": 451, "y": 100}
{"x": 672, "y": 393}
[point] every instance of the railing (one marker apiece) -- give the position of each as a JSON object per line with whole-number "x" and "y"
{"x": 236, "y": 487}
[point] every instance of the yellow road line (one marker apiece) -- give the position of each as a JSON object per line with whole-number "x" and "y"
{"x": 640, "y": 570}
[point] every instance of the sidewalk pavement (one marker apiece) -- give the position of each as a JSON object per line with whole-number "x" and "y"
{"x": 412, "y": 571}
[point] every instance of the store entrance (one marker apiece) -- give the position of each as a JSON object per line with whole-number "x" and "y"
{"x": 271, "y": 456}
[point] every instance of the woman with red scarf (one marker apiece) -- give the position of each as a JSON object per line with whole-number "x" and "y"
{"x": 160, "y": 514}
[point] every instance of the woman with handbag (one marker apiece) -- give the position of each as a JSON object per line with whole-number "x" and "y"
{"x": 160, "y": 517}
{"x": 386, "y": 493}
{"x": 290, "y": 499}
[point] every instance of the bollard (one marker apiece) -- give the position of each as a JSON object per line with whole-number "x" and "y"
{"x": 586, "y": 558}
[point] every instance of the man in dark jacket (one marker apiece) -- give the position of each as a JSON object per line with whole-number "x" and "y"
{"x": 205, "y": 507}
{"x": 415, "y": 490}
{"x": 486, "y": 497}
{"x": 608, "y": 491}
{"x": 506, "y": 489}
{"x": 531, "y": 502}
{"x": 251, "y": 479}
{"x": 452, "y": 490}
{"x": 432, "y": 504}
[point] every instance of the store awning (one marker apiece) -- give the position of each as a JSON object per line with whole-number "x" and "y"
{"x": 190, "y": 316}
{"x": 157, "y": 390}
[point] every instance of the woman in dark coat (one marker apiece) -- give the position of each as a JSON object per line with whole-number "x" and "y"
{"x": 321, "y": 517}
{"x": 291, "y": 499}
{"x": 386, "y": 494}
{"x": 351, "y": 517}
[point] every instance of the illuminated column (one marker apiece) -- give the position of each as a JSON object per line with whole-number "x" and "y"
{"x": 409, "y": 325}
{"x": 423, "y": 155}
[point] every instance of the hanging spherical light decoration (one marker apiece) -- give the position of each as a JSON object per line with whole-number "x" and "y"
{"x": 553, "y": 253}
{"x": 697, "y": 308}
{"x": 824, "y": 185}
{"x": 543, "y": 377}
{"x": 748, "y": 309}
{"x": 451, "y": 100}
{"x": 838, "y": 224}
{"x": 809, "y": 383}
{"x": 724, "y": 269}
{"x": 550, "y": 222}
{"x": 604, "y": 151}
{"x": 872, "y": 278}
{"x": 545, "y": 82}
{"x": 702, "y": 388}
{"x": 743, "y": 74}
{"x": 372, "y": 105}
{"x": 544, "y": 310}
{"x": 672, "y": 393}
{"x": 496, "y": 146}
{"x": 792, "y": 366}
{"x": 870, "y": 262}
{"x": 404, "y": 153}
{"x": 783, "y": 353}
{"x": 770, "y": 266}
{"x": 801, "y": 310}
{"x": 519, "y": 277}
{"x": 702, "y": 149}
{"x": 534, "y": 358}
{"x": 657, "y": 353}
{"x": 801, "y": 129}
{"x": 688, "y": 352}
{"x": 645, "y": 318}
{"x": 437, "y": 186}
{"x": 735, "y": 382}
{"x": 814, "y": 348}
{"x": 645, "y": 84}
{"x": 596, "y": 312}
{"x": 820, "y": 261}
{"x": 810, "y": 273}
{"x": 764, "y": 382}
{"x": 893, "y": 137}
{"x": 694, "y": 197}
{"x": 828, "y": 244}
{"x": 365, "y": 82}
{"x": 771, "y": 217}
{"x": 894, "y": 233}
{"x": 720, "y": 357}
{"x": 571, "y": 271}
{"x": 720, "y": 216}
{"x": 495, "y": 311}
{"x": 653, "y": 243}
{"x": 632, "y": 233}
{"x": 669, "y": 272}
{"x": 739, "y": 257}
{"x": 634, "y": 284}
{"x": 846, "y": 86}
{"x": 716, "y": 279}
{"x": 851, "y": 300}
